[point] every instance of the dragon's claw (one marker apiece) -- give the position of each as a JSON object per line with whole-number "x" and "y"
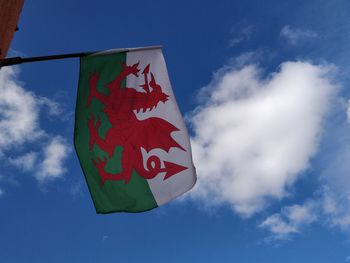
{"x": 134, "y": 70}
{"x": 99, "y": 163}
{"x": 98, "y": 123}
{"x": 93, "y": 84}
{"x": 93, "y": 130}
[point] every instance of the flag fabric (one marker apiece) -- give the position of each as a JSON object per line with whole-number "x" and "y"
{"x": 129, "y": 135}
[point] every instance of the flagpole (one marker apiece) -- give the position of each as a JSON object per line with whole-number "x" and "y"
{"x": 19, "y": 60}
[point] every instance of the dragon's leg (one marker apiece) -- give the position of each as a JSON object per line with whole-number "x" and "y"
{"x": 100, "y": 164}
{"x": 127, "y": 163}
{"x": 95, "y": 137}
{"x": 126, "y": 71}
{"x": 94, "y": 92}
{"x": 127, "y": 166}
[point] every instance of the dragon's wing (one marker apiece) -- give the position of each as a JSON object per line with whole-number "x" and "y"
{"x": 154, "y": 133}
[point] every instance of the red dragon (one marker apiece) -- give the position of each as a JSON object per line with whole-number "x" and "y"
{"x": 127, "y": 131}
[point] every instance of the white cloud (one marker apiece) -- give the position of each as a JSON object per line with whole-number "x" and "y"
{"x": 25, "y": 162}
{"x": 301, "y": 214}
{"x": 336, "y": 204}
{"x": 1, "y": 192}
{"x": 53, "y": 106}
{"x": 335, "y": 193}
{"x": 18, "y": 112}
{"x": 241, "y": 34}
{"x": 19, "y": 125}
{"x": 331, "y": 202}
{"x": 54, "y": 155}
{"x": 76, "y": 189}
{"x": 296, "y": 35}
{"x": 255, "y": 136}
{"x": 278, "y": 226}
{"x": 48, "y": 163}
{"x": 330, "y": 207}
{"x": 290, "y": 220}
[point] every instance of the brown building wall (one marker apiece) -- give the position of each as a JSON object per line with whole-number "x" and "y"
{"x": 9, "y": 15}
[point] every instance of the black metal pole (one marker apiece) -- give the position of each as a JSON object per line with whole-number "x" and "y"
{"x": 19, "y": 60}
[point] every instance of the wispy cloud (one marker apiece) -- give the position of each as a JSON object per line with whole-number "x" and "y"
{"x": 241, "y": 34}
{"x": 254, "y": 136}
{"x": 295, "y": 36}
{"x": 25, "y": 162}
{"x": 8, "y": 180}
{"x": 46, "y": 164}
{"x": 54, "y": 108}
{"x": 54, "y": 154}
{"x": 335, "y": 193}
{"x": 330, "y": 206}
{"x": 291, "y": 220}
{"x": 75, "y": 189}
{"x": 19, "y": 125}
{"x": 18, "y": 111}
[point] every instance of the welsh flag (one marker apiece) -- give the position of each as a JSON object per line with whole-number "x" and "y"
{"x": 129, "y": 135}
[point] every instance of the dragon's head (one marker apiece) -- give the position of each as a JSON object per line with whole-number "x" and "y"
{"x": 157, "y": 91}
{"x": 152, "y": 98}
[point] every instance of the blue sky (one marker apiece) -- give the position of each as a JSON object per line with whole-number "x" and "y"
{"x": 263, "y": 86}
